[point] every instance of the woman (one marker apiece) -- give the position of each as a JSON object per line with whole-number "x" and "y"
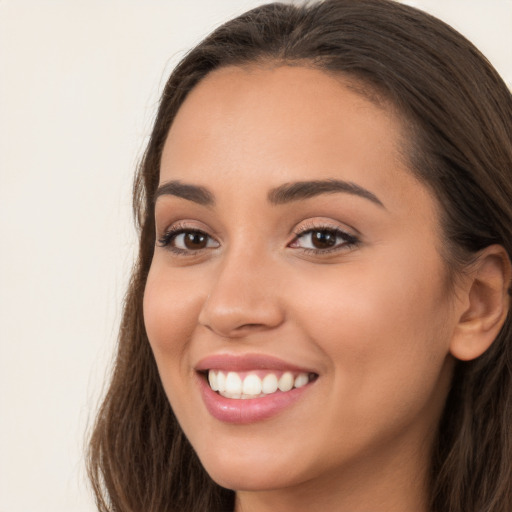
{"x": 319, "y": 317}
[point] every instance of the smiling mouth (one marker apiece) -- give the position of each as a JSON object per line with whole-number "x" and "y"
{"x": 256, "y": 384}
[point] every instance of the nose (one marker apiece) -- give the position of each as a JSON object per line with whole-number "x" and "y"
{"x": 243, "y": 298}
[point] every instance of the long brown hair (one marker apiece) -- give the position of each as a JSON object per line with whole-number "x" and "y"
{"x": 460, "y": 116}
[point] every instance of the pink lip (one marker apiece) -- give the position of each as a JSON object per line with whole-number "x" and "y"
{"x": 247, "y": 362}
{"x": 239, "y": 411}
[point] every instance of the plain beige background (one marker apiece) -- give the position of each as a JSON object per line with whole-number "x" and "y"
{"x": 79, "y": 83}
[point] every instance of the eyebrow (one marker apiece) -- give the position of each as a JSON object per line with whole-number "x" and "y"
{"x": 195, "y": 193}
{"x": 286, "y": 193}
{"x": 306, "y": 189}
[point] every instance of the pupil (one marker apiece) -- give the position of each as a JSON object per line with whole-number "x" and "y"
{"x": 195, "y": 241}
{"x": 323, "y": 239}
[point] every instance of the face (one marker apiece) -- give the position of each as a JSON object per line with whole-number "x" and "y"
{"x": 296, "y": 249}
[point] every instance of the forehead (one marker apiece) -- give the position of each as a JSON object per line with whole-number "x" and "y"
{"x": 282, "y": 124}
{"x": 308, "y": 102}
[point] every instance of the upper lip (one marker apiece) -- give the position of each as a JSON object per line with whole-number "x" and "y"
{"x": 247, "y": 362}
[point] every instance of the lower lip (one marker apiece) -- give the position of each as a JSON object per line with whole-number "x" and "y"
{"x": 242, "y": 411}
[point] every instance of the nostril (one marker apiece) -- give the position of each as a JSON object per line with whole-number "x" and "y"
{"x": 251, "y": 326}
{"x": 238, "y": 331}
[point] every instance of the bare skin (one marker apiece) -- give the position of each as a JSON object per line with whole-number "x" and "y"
{"x": 365, "y": 305}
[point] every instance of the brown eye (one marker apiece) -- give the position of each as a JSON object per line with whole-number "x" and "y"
{"x": 185, "y": 241}
{"x": 194, "y": 240}
{"x": 323, "y": 239}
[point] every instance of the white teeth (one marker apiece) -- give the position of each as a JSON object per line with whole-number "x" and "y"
{"x": 233, "y": 384}
{"x": 221, "y": 382}
{"x": 252, "y": 385}
{"x": 212, "y": 379}
{"x": 301, "y": 380}
{"x": 230, "y": 385}
{"x": 227, "y": 394}
{"x": 286, "y": 382}
{"x": 269, "y": 384}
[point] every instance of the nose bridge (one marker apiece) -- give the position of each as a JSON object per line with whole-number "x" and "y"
{"x": 243, "y": 296}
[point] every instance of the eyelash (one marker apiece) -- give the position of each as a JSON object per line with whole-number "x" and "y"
{"x": 349, "y": 240}
{"x": 173, "y": 232}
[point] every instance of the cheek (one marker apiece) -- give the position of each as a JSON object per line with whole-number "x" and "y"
{"x": 170, "y": 317}
{"x": 369, "y": 303}
{"x": 386, "y": 335}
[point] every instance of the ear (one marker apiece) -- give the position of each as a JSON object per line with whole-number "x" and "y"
{"x": 486, "y": 304}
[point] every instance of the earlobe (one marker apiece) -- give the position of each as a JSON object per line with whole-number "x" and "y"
{"x": 487, "y": 304}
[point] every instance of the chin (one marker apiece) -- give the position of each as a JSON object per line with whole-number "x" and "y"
{"x": 248, "y": 481}
{"x": 246, "y": 474}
